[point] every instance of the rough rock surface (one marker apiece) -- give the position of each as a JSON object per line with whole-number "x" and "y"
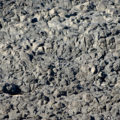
{"x": 59, "y": 59}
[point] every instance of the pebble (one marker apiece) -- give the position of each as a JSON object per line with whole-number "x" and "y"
{"x": 93, "y": 70}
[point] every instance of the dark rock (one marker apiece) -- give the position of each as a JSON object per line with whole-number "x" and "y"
{"x": 62, "y": 93}
{"x": 92, "y": 118}
{"x": 0, "y": 26}
{"x": 11, "y": 89}
{"x": 30, "y": 57}
{"x": 34, "y": 20}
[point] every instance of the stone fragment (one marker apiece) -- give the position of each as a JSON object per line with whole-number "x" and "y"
{"x": 93, "y": 69}
{"x": 34, "y": 20}
{"x": 22, "y": 18}
{"x": 52, "y": 11}
{"x": 11, "y": 89}
{"x": 117, "y": 1}
{"x": 38, "y": 16}
{"x": 116, "y": 65}
{"x": 118, "y": 83}
{"x": 14, "y": 115}
{"x": 101, "y": 6}
{"x": 87, "y": 97}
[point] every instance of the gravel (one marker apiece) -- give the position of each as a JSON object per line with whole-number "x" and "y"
{"x": 59, "y": 60}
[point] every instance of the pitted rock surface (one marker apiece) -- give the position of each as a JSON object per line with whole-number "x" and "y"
{"x": 63, "y": 56}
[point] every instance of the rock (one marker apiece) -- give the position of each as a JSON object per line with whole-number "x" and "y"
{"x": 101, "y": 6}
{"x": 117, "y": 1}
{"x": 118, "y": 83}
{"x": 52, "y": 11}
{"x": 65, "y": 4}
{"x": 63, "y": 58}
{"x": 116, "y": 65}
{"x": 0, "y": 26}
{"x": 93, "y": 69}
{"x": 60, "y": 93}
{"x": 34, "y": 20}
{"x": 55, "y": 24}
{"x": 22, "y": 18}
{"x": 87, "y": 97}
{"x": 11, "y": 89}
{"x": 14, "y": 115}
{"x": 38, "y": 16}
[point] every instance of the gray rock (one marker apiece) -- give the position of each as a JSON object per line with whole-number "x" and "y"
{"x": 64, "y": 57}
{"x": 117, "y": 1}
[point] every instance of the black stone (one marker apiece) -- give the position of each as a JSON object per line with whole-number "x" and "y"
{"x": 62, "y": 93}
{"x": 92, "y": 118}
{"x": 0, "y": 26}
{"x": 30, "y": 57}
{"x": 11, "y": 89}
{"x": 34, "y": 20}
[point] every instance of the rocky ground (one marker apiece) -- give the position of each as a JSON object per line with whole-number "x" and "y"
{"x": 59, "y": 59}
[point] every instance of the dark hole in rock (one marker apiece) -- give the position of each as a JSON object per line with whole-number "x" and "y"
{"x": 30, "y": 57}
{"x": 42, "y": 44}
{"x": 42, "y": 4}
{"x": 38, "y": 117}
{"x": 9, "y": 47}
{"x": 78, "y": 21}
{"x": 91, "y": 6}
{"x": 92, "y": 118}
{"x": 119, "y": 20}
{"x": 70, "y": 15}
{"x": 50, "y": 66}
{"x": 46, "y": 98}
{"x": 33, "y": 53}
{"x": 52, "y": 115}
{"x": 34, "y": 20}
{"x": 23, "y": 12}
{"x": 40, "y": 53}
{"x": 6, "y": 116}
{"x": 11, "y": 89}
{"x": 43, "y": 33}
{"x": 67, "y": 82}
{"x": 62, "y": 93}
{"x": 66, "y": 27}
{"x": 75, "y": 92}
{"x": 78, "y": 112}
{"x": 79, "y": 87}
{"x": 0, "y": 26}
{"x": 27, "y": 47}
{"x": 34, "y": 81}
{"x": 52, "y": 73}
{"x": 1, "y": 4}
{"x": 47, "y": 82}
{"x": 117, "y": 32}
{"x": 51, "y": 79}
{"x": 103, "y": 75}
{"x": 61, "y": 59}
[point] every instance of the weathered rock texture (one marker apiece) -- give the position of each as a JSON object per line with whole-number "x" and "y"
{"x": 59, "y": 59}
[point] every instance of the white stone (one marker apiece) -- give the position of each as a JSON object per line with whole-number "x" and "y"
{"x": 93, "y": 69}
{"x": 40, "y": 49}
{"x": 22, "y": 17}
{"x": 117, "y": 84}
{"x": 52, "y": 11}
